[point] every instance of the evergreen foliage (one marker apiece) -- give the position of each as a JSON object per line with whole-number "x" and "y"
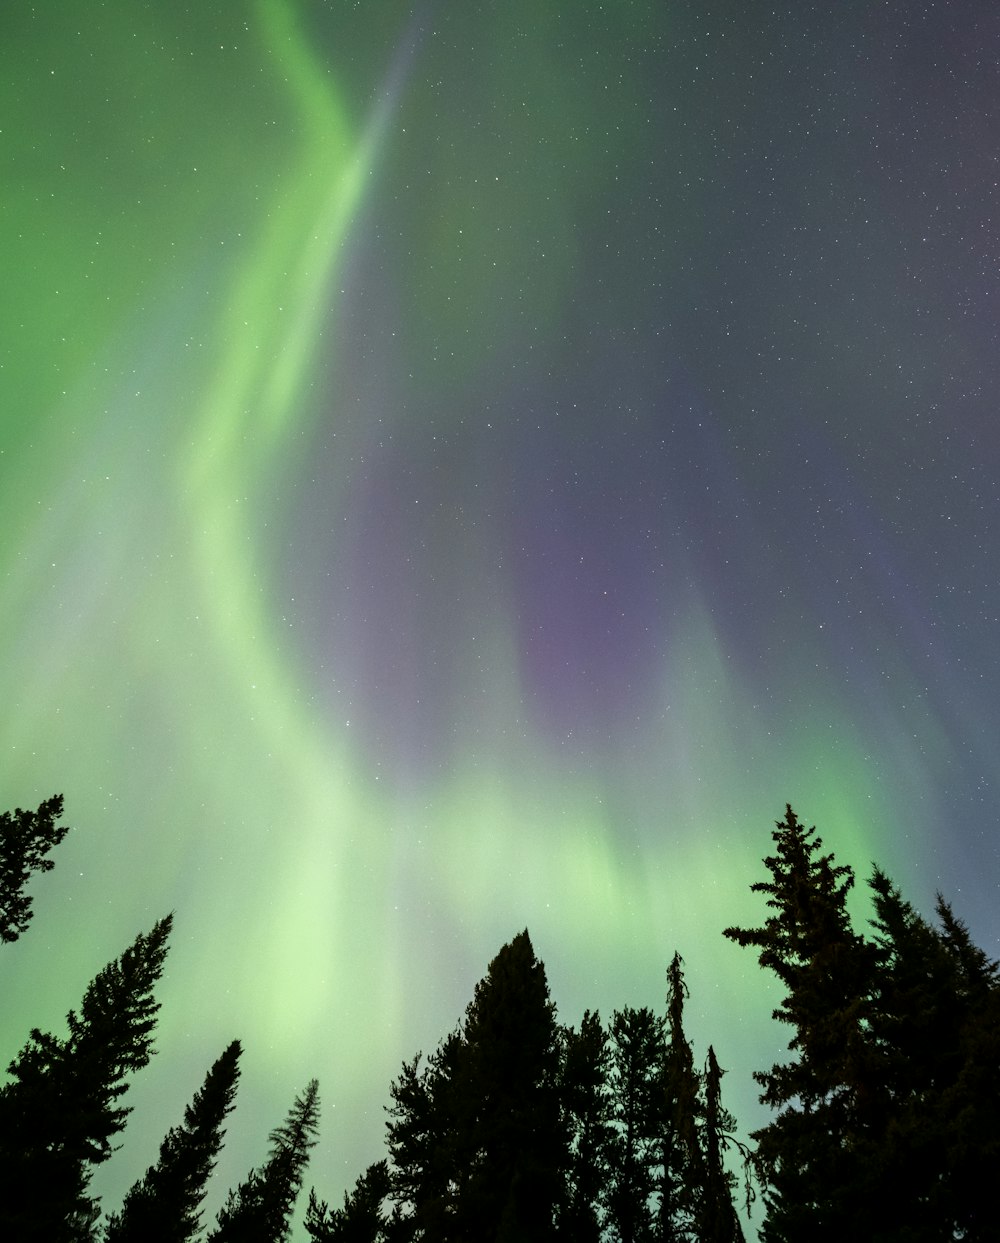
{"x": 682, "y": 1175}
{"x": 26, "y": 837}
{"x": 59, "y": 1113}
{"x": 896, "y": 1079}
{"x": 260, "y": 1209}
{"x": 936, "y": 1030}
{"x": 512, "y": 1141}
{"x": 716, "y": 1219}
{"x": 477, "y": 1138}
{"x": 808, "y": 1155}
{"x": 639, "y": 1111}
{"x": 422, "y": 1142}
{"x": 361, "y": 1220}
{"x": 517, "y": 1129}
{"x": 165, "y": 1205}
{"x": 587, "y": 1106}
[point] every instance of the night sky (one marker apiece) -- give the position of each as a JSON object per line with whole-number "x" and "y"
{"x": 465, "y": 467}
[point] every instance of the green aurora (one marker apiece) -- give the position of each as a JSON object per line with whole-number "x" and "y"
{"x": 449, "y": 484}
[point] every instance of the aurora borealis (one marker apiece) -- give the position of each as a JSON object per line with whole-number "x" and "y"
{"x": 467, "y": 466}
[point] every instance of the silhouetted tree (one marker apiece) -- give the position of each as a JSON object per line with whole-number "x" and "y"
{"x": 26, "y": 837}
{"x": 716, "y": 1219}
{"x": 361, "y": 1220}
{"x": 165, "y": 1205}
{"x": 260, "y": 1209}
{"x": 936, "y": 1028}
{"x": 587, "y": 1107}
{"x": 816, "y": 1185}
{"x": 422, "y": 1142}
{"x": 477, "y": 1138}
{"x": 636, "y": 1082}
{"x": 897, "y": 1078}
{"x": 512, "y": 1141}
{"x": 970, "y": 1103}
{"x": 682, "y": 1167}
{"x": 59, "y": 1113}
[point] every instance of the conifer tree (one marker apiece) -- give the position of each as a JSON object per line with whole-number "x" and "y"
{"x": 422, "y": 1126}
{"x": 477, "y": 1137}
{"x": 682, "y": 1168}
{"x": 970, "y": 1103}
{"x": 636, "y": 1082}
{"x": 165, "y": 1205}
{"x": 26, "y": 837}
{"x": 587, "y": 1105}
{"x": 361, "y": 1220}
{"x": 260, "y": 1209}
{"x": 808, "y": 1155}
{"x": 59, "y": 1113}
{"x": 935, "y": 1025}
{"x": 716, "y": 1217}
{"x": 512, "y": 1145}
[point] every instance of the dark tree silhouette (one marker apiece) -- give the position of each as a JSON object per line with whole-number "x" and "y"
{"x": 512, "y": 1141}
{"x": 587, "y": 1106}
{"x": 59, "y": 1113}
{"x": 507, "y": 1132}
{"x": 422, "y": 1126}
{"x": 260, "y": 1209}
{"x": 361, "y": 1220}
{"x": 896, "y": 1083}
{"x": 816, "y": 1185}
{"x": 716, "y": 1217}
{"x": 165, "y": 1205}
{"x": 477, "y": 1138}
{"x": 636, "y": 1082}
{"x": 26, "y": 837}
{"x": 936, "y": 1027}
{"x": 682, "y": 1167}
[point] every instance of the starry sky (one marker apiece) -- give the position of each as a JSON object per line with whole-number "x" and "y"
{"x": 465, "y": 467}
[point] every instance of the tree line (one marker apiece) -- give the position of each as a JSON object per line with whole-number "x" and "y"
{"x": 519, "y": 1128}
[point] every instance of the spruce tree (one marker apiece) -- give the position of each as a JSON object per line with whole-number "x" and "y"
{"x": 716, "y": 1217}
{"x": 165, "y": 1205}
{"x": 260, "y": 1209}
{"x": 587, "y": 1107}
{"x": 59, "y": 1113}
{"x": 422, "y": 1142}
{"x": 636, "y": 1083}
{"x": 970, "y": 1103}
{"x": 26, "y": 837}
{"x": 682, "y": 1168}
{"x": 817, "y": 1185}
{"x": 361, "y": 1220}
{"x": 935, "y": 1026}
{"x": 512, "y": 1146}
{"x": 477, "y": 1137}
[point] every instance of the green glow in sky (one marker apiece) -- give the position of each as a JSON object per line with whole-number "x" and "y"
{"x": 454, "y": 479}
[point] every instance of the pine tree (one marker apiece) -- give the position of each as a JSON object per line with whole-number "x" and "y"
{"x": 716, "y": 1217}
{"x": 970, "y": 1103}
{"x": 636, "y": 1082}
{"x": 260, "y": 1209}
{"x": 935, "y": 1024}
{"x": 512, "y": 1146}
{"x": 587, "y": 1105}
{"x": 165, "y": 1205}
{"x": 26, "y": 837}
{"x": 817, "y": 1187}
{"x": 477, "y": 1138}
{"x": 422, "y": 1142}
{"x": 360, "y": 1220}
{"x": 682, "y": 1173}
{"x": 59, "y": 1113}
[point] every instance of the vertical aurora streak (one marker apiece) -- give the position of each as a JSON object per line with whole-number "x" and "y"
{"x": 463, "y": 469}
